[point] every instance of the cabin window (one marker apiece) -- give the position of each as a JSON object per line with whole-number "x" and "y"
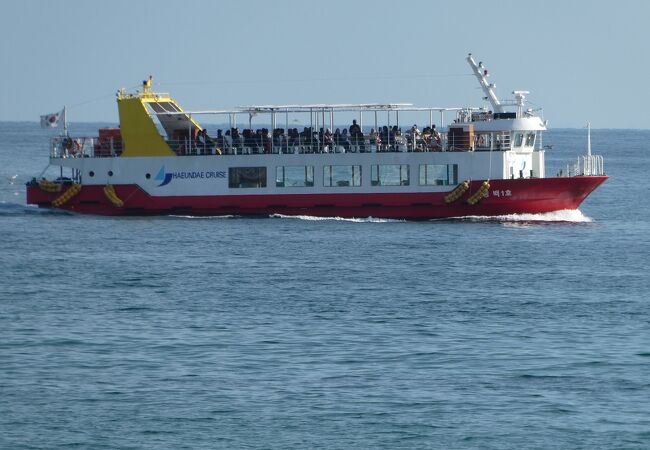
{"x": 389, "y": 175}
{"x": 438, "y": 174}
{"x": 247, "y": 177}
{"x": 502, "y": 141}
{"x": 519, "y": 139}
{"x": 530, "y": 139}
{"x": 341, "y": 176}
{"x": 294, "y": 176}
{"x": 483, "y": 141}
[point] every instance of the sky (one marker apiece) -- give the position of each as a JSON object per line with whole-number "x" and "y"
{"x": 581, "y": 60}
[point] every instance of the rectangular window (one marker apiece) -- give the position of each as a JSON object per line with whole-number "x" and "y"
{"x": 502, "y": 141}
{"x": 294, "y": 176}
{"x": 341, "y": 176}
{"x": 483, "y": 141}
{"x": 530, "y": 139}
{"x": 389, "y": 175}
{"x": 438, "y": 174}
{"x": 519, "y": 139}
{"x": 247, "y": 177}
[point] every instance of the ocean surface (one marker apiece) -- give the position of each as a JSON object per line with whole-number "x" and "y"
{"x": 302, "y": 333}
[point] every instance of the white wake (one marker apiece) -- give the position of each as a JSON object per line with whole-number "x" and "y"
{"x": 565, "y": 215}
{"x": 342, "y": 219}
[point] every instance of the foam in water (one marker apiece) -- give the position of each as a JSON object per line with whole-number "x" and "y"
{"x": 342, "y": 219}
{"x": 227, "y": 216}
{"x": 565, "y": 215}
{"x": 11, "y": 209}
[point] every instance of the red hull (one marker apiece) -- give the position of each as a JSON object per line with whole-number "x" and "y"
{"x": 533, "y": 195}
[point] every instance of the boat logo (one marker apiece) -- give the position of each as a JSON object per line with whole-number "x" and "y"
{"x": 164, "y": 177}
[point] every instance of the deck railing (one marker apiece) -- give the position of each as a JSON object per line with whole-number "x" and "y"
{"x": 77, "y": 147}
{"x": 586, "y": 165}
{"x": 85, "y": 147}
{"x": 304, "y": 144}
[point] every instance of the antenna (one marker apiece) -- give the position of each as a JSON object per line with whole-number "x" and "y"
{"x": 481, "y": 74}
{"x": 588, "y": 138}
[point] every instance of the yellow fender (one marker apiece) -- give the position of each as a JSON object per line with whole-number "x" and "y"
{"x": 478, "y": 195}
{"x": 67, "y": 195}
{"x": 109, "y": 192}
{"x": 457, "y": 192}
{"x": 49, "y": 186}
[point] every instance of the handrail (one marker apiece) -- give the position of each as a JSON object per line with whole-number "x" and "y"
{"x": 266, "y": 142}
{"x": 586, "y": 165}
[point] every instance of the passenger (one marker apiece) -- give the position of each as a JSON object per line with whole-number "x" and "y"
{"x": 208, "y": 142}
{"x": 415, "y": 137}
{"x": 219, "y": 142}
{"x": 355, "y": 133}
{"x": 236, "y": 139}
{"x": 321, "y": 140}
{"x": 304, "y": 140}
{"x": 337, "y": 139}
{"x": 435, "y": 132}
{"x": 345, "y": 140}
{"x": 437, "y": 138}
{"x": 395, "y": 135}
{"x": 384, "y": 137}
{"x": 284, "y": 140}
{"x": 227, "y": 142}
{"x": 258, "y": 141}
{"x": 312, "y": 139}
{"x": 67, "y": 144}
{"x": 246, "y": 140}
{"x": 375, "y": 139}
{"x": 266, "y": 140}
{"x": 277, "y": 140}
{"x": 354, "y": 128}
{"x": 327, "y": 140}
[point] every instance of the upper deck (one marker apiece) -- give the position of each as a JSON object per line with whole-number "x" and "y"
{"x": 472, "y": 129}
{"x": 153, "y": 124}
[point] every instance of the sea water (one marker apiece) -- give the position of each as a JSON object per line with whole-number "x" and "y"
{"x": 524, "y": 331}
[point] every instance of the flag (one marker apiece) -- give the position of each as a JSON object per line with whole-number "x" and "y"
{"x": 51, "y": 120}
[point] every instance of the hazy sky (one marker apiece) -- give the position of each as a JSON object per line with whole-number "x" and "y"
{"x": 581, "y": 60}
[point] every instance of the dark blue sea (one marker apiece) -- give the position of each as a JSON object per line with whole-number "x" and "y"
{"x": 297, "y": 333}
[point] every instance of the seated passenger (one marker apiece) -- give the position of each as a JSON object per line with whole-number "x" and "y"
{"x": 345, "y": 140}
{"x": 219, "y": 143}
{"x": 266, "y": 140}
{"x": 416, "y": 138}
{"x": 258, "y": 141}
{"x": 384, "y": 136}
{"x": 294, "y": 138}
{"x": 236, "y": 138}
{"x": 436, "y": 138}
{"x": 277, "y": 140}
{"x": 374, "y": 139}
{"x": 327, "y": 140}
{"x": 337, "y": 139}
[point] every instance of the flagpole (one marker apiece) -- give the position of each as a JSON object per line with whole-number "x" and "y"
{"x": 65, "y": 121}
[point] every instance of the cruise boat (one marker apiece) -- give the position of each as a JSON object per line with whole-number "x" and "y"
{"x": 486, "y": 161}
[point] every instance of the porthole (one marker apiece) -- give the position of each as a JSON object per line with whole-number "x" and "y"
{"x": 91, "y": 173}
{"x": 147, "y": 176}
{"x": 110, "y": 173}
